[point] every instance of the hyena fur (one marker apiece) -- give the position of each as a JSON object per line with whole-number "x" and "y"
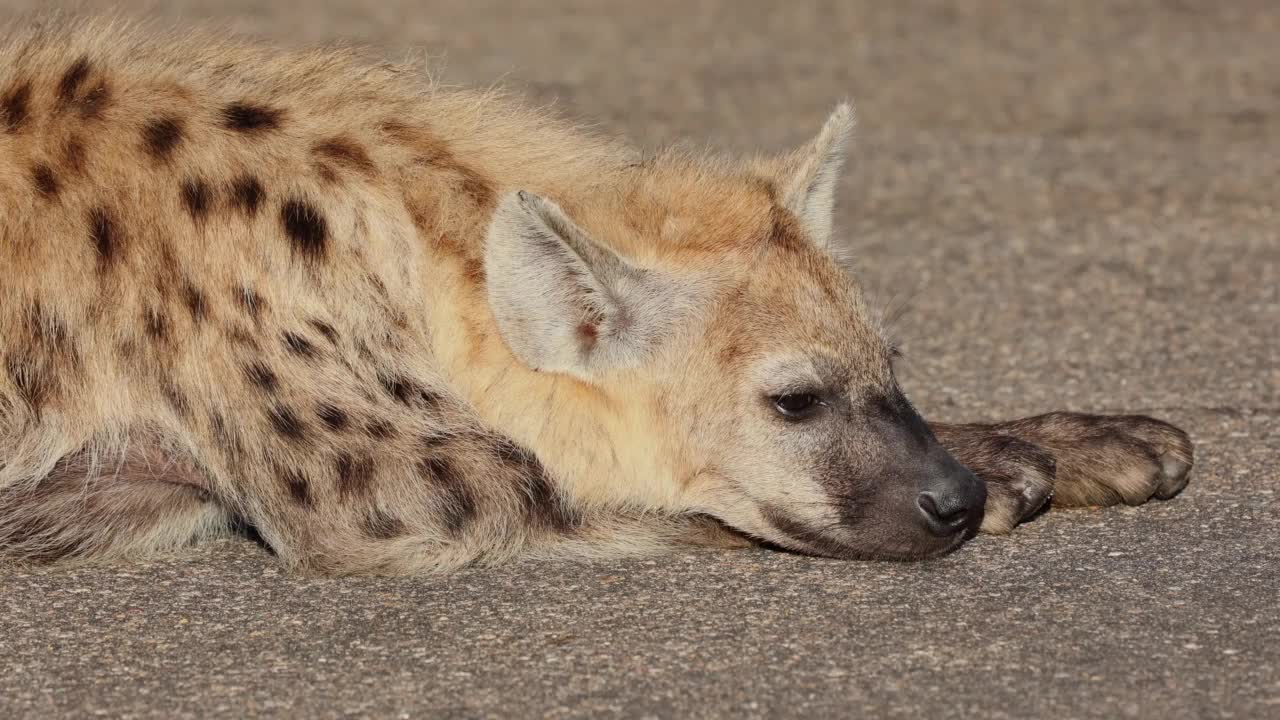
{"x": 395, "y": 328}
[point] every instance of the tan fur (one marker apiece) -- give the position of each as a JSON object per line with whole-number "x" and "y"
{"x": 268, "y": 275}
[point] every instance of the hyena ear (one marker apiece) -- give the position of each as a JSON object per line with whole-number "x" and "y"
{"x": 565, "y": 303}
{"x": 807, "y": 178}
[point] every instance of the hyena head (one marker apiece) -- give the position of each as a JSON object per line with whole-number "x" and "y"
{"x": 705, "y": 298}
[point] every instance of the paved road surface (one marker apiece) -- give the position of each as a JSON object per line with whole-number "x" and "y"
{"x": 1081, "y": 203}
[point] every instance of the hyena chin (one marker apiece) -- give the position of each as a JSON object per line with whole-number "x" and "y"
{"x": 396, "y": 328}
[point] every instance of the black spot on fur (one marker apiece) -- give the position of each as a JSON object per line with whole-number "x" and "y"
{"x": 399, "y": 318}
{"x": 767, "y": 187}
{"x": 325, "y": 329}
{"x": 194, "y": 299}
{"x": 219, "y": 425}
{"x": 346, "y": 152}
{"x": 332, "y": 416}
{"x": 175, "y": 398}
{"x": 156, "y": 324}
{"x": 245, "y": 117}
{"x": 362, "y": 349}
{"x": 298, "y": 345}
{"x": 48, "y": 332}
{"x": 402, "y": 389}
{"x": 262, "y": 377}
{"x": 355, "y": 475}
{"x": 106, "y": 240}
{"x": 474, "y": 187}
{"x": 242, "y": 337}
{"x": 306, "y": 229}
{"x": 432, "y": 442}
{"x": 286, "y": 422}
{"x": 228, "y": 438}
{"x": 45, "y": 181}
{"x": 299, "y": 487}
{"x": 326, "y": 172}
{"x": 543, "y": 504}
{"x": 88, "y": 104}
{"x": 50, "y": 355}
{"x": 196, "y": 197}
{"x": 161, "y": 136}
{"x": 457, "y": 504}
{"x": 31, "y": 380}
{"x": 72, "y": 79}
{"x": 381, "y": 525}
{"x": 247, "y": 194}
{"x": 15, "y": 108}
{"x": 379, "y": 429}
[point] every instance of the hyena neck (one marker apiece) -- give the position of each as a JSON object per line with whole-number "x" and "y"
{"x": 598, "y": 447}
{"x": 603, "y": 450}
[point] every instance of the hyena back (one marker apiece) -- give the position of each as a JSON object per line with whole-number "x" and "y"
{"x": 397, "y": 328}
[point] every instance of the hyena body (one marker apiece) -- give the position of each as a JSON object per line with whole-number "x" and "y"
{"x": 329, "y": 301}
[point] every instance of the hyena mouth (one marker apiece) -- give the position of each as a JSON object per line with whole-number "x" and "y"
{"x": 805, "y": 538}
{"x": 823, "y": 541}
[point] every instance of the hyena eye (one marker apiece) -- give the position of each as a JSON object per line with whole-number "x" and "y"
{"x": 797, "y": 406}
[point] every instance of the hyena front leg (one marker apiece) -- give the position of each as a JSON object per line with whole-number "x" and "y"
{"x": 1076, "y": 458}
{"x": 443, "y": 502}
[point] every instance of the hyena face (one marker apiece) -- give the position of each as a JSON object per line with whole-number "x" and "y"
{"x": 709, "y": 301}
{"x": 809, "y": 441}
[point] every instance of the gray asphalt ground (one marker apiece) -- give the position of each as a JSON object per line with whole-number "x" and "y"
{"x": 1080, "y": 204}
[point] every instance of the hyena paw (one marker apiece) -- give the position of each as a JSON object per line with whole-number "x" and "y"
{"x": 1019, "y": 477}
{"x": 1018, "y": 473}
{"x": 1108, "y": 459}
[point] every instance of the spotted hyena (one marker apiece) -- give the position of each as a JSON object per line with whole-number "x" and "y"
{"x": 392, "y": 328}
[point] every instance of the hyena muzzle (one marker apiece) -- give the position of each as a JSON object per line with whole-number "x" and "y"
{"x": 392, "y": 328}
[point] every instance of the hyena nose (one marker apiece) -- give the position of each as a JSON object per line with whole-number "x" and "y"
{"x": 953, "y": 504}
